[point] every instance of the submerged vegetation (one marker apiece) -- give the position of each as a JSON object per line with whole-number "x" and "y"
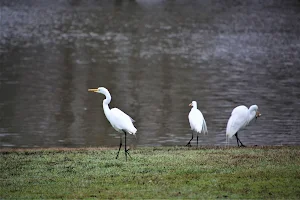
{"x": 163, "y": 172}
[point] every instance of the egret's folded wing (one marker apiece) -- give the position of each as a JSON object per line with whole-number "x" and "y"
{"x": 236, "y": 122}
{"x": 196, "y": 120}
{"x": 121, "y": 114}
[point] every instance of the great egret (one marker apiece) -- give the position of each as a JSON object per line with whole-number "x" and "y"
{"x": 240, "y": 117}
{"x": 120, "y": 121}
{"x": 197, "y": 122}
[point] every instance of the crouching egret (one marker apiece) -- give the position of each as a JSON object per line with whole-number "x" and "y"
{"x": 120, "y": 121}
{"x": 240, "y": 117}
{"x": 197, "y": 122}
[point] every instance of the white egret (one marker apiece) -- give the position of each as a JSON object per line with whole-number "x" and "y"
{"x": 197, "y": 122}
{"x": 240, "y": 117}
{"x": 120, "y": 121}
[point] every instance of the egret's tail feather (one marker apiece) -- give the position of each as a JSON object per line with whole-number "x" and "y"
{"x": 134, "y": 135}
{"x": 227, "y": 140}
{"x": 204, "y": 128}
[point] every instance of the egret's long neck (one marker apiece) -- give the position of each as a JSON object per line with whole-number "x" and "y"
{"x": 252, "y": 114}
{"x": 106, "y": 101}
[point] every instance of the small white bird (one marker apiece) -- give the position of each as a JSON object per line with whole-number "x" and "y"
{"x": 240, "y": 117}
{"x": 197, "y": 122}
{"x": 120, "y": 121}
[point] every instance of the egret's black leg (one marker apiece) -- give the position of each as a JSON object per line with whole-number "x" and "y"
{"x": 239, "y": 140}
{"x": 197, "y": 139}
{"x": 119, "y": 146}
{"x": 126, "y": 150}
{"x": 125, "y": 146}
{"x": 189, "y": 143}
{"x": 242, "y": 145}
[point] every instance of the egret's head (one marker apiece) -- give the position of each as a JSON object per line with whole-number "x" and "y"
{"x": 255, "y": 109}
{"x": 101, "y": 90}
{"x": 193, "y": 104}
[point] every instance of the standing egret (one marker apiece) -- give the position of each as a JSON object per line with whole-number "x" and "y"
{"x": 197, "y": 122}
{"x": 120, "y": 121}
{"x": 240, "y": 117}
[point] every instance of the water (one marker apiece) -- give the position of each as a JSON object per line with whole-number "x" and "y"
{"x": 155, "y": 57}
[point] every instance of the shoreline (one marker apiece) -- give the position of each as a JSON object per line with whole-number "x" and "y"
{"x": 206, "y": 147}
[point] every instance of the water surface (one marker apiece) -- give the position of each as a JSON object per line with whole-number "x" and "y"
{"x": 155, "y": 57}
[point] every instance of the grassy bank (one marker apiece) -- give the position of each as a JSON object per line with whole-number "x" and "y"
{"x": 164, "y": 172}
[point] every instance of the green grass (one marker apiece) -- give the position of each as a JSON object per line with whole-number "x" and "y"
{"x": 163, "y": 172}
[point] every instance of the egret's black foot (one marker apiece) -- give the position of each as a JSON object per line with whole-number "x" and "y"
{"x": 127, "y": 152}
{"x": 188, "y": 144}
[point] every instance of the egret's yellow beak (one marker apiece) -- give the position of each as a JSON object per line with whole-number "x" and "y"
{"x": 191, "y": 104}
{"x": 92, "y": 90}
{"x": 257, "y": 114}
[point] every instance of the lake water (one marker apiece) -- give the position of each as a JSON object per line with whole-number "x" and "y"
{"x": 155, "y": 57}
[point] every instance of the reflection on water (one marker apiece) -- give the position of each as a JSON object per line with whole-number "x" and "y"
{"x": 155, "y": 57}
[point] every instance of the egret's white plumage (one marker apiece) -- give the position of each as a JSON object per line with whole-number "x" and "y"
{"x": 197, "y": 121}
{"x": 119, "y": 120}
{"x": 240, "y": 117}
